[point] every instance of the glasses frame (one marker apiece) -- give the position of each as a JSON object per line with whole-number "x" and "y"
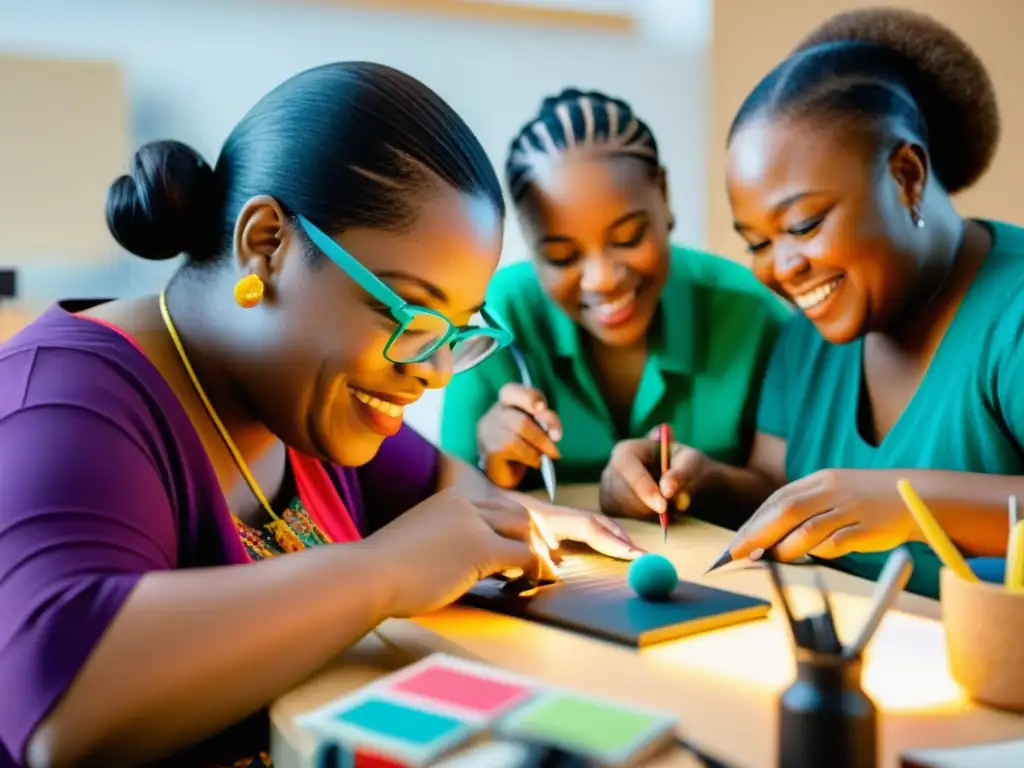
{"x": 402, "y": 311}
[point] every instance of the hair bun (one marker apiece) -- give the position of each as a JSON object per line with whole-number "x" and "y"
{"x": 948, "y": 80}
{"x": 163, "y": 206}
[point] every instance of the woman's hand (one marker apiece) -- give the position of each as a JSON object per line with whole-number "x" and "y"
{"x": 515, "y": 433}
{"x": 828, "y": 514}
{"x": 629, "y": 487}
{"x": 596, "y": 531}
{"x": 440, "y": 548}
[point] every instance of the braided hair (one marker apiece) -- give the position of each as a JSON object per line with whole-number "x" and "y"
{"x": 576, "y": 120}
{"x": 894, "y": 69}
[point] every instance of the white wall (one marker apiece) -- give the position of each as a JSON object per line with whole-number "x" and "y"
{"x": 194, "y": 67}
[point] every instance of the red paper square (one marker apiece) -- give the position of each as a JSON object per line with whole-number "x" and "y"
{"x": 463, "y": 689}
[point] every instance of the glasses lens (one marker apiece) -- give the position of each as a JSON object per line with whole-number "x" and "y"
{"x": 420, "y": 337}
{"x": 472, "y": 351}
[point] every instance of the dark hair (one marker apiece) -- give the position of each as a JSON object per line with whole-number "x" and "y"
{"x": 896, "y": 67}
{"x": 347, "y": 145}
{"x": 576, "y": 118}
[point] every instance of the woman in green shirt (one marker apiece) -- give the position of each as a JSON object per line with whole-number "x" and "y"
{"x": 620, "y": 330}
{"x": 908, "y": 357}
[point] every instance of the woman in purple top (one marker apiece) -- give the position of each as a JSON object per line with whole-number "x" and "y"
{"x": 253, "y": 408}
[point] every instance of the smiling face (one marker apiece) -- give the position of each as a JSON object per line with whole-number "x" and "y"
{"x": 826, "y": 219}
{"x": 599, "y": 230}
{"x": 323, "y": 384}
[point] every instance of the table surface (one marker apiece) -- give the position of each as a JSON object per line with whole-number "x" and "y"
{"x": 722, "y": 685}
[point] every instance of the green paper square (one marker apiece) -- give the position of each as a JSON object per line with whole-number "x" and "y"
{"x": 588, "y": 725}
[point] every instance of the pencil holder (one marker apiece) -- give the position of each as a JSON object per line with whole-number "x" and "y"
{"x": 984, "y": 624}
{"x": 825, "y": 717}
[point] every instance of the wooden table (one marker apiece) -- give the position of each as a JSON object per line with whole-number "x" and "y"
{"x": 723, "y": 685}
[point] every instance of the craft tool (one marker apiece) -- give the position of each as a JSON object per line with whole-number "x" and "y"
{"x": 547, "y": 465}
{"x": 652, "y": 577}
{"x": 933, "y": 533}
{"x": 724, "y": 559}
{"x": 780, "y": 595}
{"x": 1014, "y": 579}
{"x": 765, "y": 557}
{"x": 665, "y": 443}
{"x": 825, "y": 623}
{"x": 891, "y": 581}
{"x": 1014, "y": 512}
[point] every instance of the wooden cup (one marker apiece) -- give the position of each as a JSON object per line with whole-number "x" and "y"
{"x": 984, "y": 626}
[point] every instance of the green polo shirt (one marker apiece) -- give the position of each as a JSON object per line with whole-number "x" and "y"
{"x": 966, "y": 416}
{"x": 709, "y": 346}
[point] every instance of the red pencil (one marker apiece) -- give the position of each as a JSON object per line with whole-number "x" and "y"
{"x": 665, "y": 440}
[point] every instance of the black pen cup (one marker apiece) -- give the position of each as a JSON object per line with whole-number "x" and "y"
{"x": 826, "y": 720}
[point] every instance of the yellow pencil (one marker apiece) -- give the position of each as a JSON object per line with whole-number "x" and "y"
{"x": 1015, "y": 559}
{"x": 933, "y": 533}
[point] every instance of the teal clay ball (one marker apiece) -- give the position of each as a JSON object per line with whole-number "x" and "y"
{"x": 652, "y": 577}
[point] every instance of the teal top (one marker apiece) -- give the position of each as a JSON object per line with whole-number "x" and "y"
{"x": 708, "y": 348}
{"x": 966, "y": 416}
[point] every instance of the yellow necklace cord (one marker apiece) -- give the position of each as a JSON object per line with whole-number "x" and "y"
{"x": 232, "y": 448}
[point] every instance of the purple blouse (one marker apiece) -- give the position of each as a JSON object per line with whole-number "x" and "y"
{"x": 103, "y": 479}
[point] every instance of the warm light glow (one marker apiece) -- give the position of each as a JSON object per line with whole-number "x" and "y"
{"x": 542, "y": 528}
{"x": 542, "y": 541}
{"x": 540, "y": 547}
{"x": 905, "y": 668}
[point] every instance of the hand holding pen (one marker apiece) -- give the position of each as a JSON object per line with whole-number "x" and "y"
{"x": 515, "y": 433}
{"x": 636, "y": 482}
{"x": 827, "y": 514}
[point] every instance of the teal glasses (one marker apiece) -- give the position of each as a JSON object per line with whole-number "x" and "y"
{"x": 421, "y": 331}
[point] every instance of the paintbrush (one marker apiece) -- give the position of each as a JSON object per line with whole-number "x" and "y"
{"x": 891, "y": 581}
{"x": 825, "y": 623}
{"x": 780, "y": 593}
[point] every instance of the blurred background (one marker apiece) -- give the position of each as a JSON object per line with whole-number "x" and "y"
{"x": 84, "y": 82}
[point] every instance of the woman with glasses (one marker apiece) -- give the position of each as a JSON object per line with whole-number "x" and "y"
{"x": 334, "y": 257}
{"x": 618, "y": 329}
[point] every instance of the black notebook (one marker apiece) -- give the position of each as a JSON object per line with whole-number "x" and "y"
{"x": 604, "y": 606}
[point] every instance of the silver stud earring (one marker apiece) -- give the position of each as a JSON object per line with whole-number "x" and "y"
{"x": 915, "y": 217}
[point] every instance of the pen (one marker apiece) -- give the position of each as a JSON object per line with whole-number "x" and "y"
{"x": 547, "y": 465}
{"x": 891, "y": 581}
{"x": 663, "y": 439}
{"x": 933, "y": 533}
{"x": 1015, "y": 558}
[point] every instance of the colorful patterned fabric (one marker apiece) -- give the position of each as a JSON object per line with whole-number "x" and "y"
{"x": 261, "y": 544}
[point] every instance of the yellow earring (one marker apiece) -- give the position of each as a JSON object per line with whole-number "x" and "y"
{"x": 249, "y": 291}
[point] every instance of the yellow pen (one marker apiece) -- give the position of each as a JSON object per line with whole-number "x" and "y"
{"x": 1015, "y": 558}
{"x": 933, "y": 533}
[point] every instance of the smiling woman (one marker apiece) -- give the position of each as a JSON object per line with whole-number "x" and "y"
{"x": 906, "y": 360}
{"x": 620, "y": 329}
{"x": 253, "y": 409}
